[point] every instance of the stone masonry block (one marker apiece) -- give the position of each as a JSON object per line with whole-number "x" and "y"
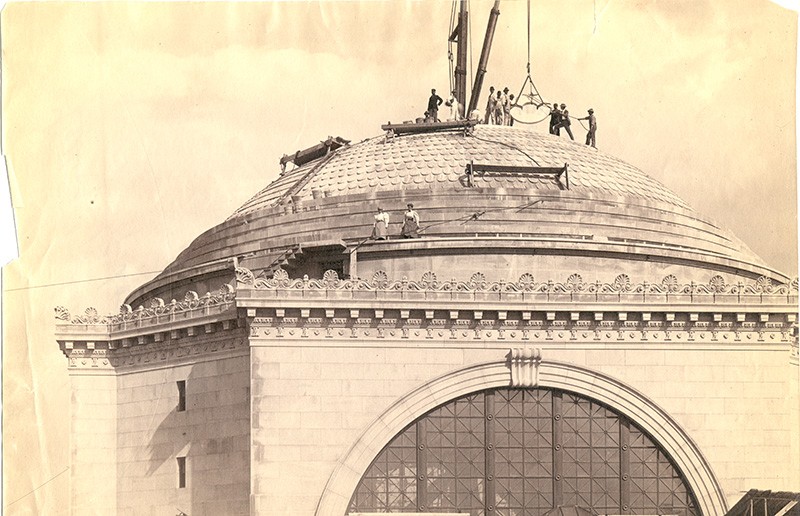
{"x": 610, "y": 357}
{"x": 322, "y": 420}
{"x": 306, "y": 387}
{"x": 357, "y": 386}
{"x": 644, "y": 358}
{"x": 300, "y": 370}
{"x": 264, "y": 369}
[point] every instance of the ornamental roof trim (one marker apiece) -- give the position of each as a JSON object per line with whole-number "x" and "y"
{"x": 574, "y": 294}
{"x": 574, "y": 284}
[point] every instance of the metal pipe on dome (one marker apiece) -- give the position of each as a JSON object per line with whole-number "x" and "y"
{"x": 484, "y": 59}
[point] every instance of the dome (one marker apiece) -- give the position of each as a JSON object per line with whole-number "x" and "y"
{"x": 603, "y": 216}
{"x": 438, "y": 160}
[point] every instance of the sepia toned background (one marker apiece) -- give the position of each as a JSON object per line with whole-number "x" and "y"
{"x": 130, "y": 128}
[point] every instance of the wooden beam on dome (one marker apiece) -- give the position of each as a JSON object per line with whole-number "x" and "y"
{"x": 465, "y": 126}
{"x": 481, "y": 170}
{"x": 317, "y": 151}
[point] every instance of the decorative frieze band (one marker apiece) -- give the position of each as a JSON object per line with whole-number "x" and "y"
{"x": 96, "y": 356}
{"x": 158, "y": 311}
{"x": 574, "y": 288}
{"x": 533, "y": 330}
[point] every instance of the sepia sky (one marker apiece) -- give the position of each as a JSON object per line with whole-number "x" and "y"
{"x": 130, "y": 128}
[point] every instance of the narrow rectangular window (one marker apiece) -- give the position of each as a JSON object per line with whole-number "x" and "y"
{"x": 181, "y": 472}
{"x": 181, "y": 395}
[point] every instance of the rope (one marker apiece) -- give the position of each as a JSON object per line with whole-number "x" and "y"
{"x": 534, "y": 95}
{"x": 362, "y": 242}
{"x": 529, "y": 37}
{"x": 532, "y": 123}
{"x": 509, "y": 146}
{"x": 464, "y": 219}
{"x": 450, "y": 47}
{"x": 40, "y": 486}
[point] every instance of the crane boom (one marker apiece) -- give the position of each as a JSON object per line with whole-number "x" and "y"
{"x": 487, "y": 47}
{"x": 461, "y": 36}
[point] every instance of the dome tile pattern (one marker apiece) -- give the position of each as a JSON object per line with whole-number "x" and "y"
{"x": 439, "y": 160}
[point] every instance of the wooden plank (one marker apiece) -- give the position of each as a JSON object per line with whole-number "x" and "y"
{"x": 516, "y": 169}
{"x": 480, "y": 170}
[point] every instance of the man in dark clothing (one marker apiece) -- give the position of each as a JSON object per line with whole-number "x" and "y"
{"x": 555, "y": 119}
{"x": 565, "y": 121}
{"x": 433, "y": 105}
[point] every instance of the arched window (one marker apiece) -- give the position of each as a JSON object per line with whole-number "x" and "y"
{"x": 521, "y": 452}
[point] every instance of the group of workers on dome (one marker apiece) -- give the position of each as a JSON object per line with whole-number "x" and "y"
{"x": 498, "y": 112}
{"x": 498, "y": 107}
{"x": 410, "y": 227}
{"x": 559, "y": 118}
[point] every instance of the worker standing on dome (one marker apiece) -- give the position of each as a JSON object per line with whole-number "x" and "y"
{"x": 592, "y": 128}
{"x": 509, "y": 105}
{"x": 449, "y": 105}
{"x": 498, "y": 109}
{"x": 456, "y": 109}
{"x": 505, "y": 106}
{"x": 565, "y": 121}
{"x": 381, "y": 228}
{"x": 489, "y": 107}
{"x": 433, "y": 105}
{"x": 410, "y": 223}
{"x": 555, "y": 119}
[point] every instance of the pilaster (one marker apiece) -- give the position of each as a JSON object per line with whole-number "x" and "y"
{"x": 93, "y": 429}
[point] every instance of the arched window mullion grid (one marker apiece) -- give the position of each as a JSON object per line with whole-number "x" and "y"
{"x": 558, "y": 451}
{"x": 460, "y": 446}
{"x": 422, "y": 465}
{"x": 624, "y": 465}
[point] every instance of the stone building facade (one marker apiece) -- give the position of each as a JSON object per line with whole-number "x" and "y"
{"x": 583, "y": 339}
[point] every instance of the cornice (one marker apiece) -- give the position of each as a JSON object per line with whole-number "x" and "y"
{"x": 146, "y": 336}
{"x": 149, "y": 351}
{"x": 478, "y": 312}
{"x": 574, "y": 311}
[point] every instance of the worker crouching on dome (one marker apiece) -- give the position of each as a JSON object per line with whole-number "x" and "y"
{"x": 410, "y": 223}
